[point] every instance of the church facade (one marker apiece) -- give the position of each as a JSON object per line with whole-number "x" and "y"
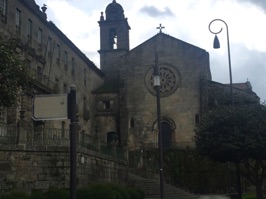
{"x": 186, "y": 93}
{"x": 130, "y": 71}
{"x": 116, "y": 103}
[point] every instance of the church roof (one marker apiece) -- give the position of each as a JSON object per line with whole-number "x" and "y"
{"x": 163, "y": 35}
{"x": 114, "y": 11}
{"x": 243, "y": 86}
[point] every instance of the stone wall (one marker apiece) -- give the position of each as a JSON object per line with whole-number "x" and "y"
{"x": 37, "y": 170}
{"x": 181, "y": 67}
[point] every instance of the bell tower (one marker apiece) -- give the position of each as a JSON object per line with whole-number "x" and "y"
{"x": 114, "y": 38}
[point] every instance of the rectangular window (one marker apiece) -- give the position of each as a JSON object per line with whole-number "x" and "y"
{"x": 49, "y": 47}
{"x": 3, "y": 10}
{"x": 57, "y": 53}
{"x": 56, "y": 85}
{"x": 29, "y": 29}
{"x": 85, "y": 75}
{"x": 73, "y": 66}
{"x": 86, "y": 110}
{"x": 39, "y": 73}
{"x": 106, "y": 104}
{"x": 66, "y": 60}
{"x": 40, "y": 37}
{"x": 18, "y": 20}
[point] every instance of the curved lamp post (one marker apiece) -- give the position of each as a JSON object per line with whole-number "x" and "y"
{"x": 216, "y": 44}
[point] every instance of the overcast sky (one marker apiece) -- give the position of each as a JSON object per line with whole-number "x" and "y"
{"x": 187, "y": 20}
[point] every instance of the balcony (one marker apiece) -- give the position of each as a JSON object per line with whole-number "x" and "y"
{"x": 42, "y": 81}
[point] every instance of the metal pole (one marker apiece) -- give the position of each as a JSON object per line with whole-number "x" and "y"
{"x": 230, "y": 70}
{"x": 160, "y": 141}
{"x": 73, "y": 148}
{"x": 157, "y": 86}
{"x": 238, "y": 172}
{"x": 229, "y": 56}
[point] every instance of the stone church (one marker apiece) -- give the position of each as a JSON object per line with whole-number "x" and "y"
{"x": 116, "y": 102}
{"x": 128, "y": 98}
{"x": 128, "y": 95}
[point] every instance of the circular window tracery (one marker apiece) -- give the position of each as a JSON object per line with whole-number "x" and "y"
{"x": 169, "y": 77}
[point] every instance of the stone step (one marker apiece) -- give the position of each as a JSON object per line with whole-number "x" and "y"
{"x": 152, "y": 189}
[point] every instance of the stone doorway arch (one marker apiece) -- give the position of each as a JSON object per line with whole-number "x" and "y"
{"x": 166, "y": 135}
{"x": 168, "y": 127}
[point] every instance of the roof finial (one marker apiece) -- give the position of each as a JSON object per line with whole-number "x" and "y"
{"x": 101, "y": 17}
{"x": 160, "y": 28}
{"x": 44, "y": 8}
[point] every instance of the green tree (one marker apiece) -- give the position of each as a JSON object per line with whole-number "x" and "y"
{"x": 236, "y": 135}
{"x": 13, "y": 73}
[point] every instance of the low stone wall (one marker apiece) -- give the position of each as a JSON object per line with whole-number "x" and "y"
{"x": 37, "y": 170}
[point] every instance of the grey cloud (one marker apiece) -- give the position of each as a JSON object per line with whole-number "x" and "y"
{"x": 259, "y": 3}
{"x": 246, "y": 65}
{"x": 155, "y": 12}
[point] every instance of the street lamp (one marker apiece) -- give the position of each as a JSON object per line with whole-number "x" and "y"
{"x": 157, "y": 85}
{"x": 216, "y": 44}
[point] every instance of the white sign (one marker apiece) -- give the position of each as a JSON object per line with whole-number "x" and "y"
{"x": 50, "y": 107}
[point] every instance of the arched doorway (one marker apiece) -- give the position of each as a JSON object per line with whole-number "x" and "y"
{"x": 166, "y": 135}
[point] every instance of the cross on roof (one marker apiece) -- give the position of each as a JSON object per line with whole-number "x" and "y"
{"x": 160, "y": 28}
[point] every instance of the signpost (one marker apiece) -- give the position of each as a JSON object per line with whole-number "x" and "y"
{"x": 52, "y": 107}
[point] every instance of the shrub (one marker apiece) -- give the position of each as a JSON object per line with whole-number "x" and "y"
{"x": 92, "y": 191}
{"x": 134, "y": 193}
{"x": 101, "y": 191}
{"x": 121, "y": 192}
{"x": 51, "y": 194}
{"x": 109, "y": 191}
{"x": 14, "y": 195}
{"x": 57, "y": 194}
{"x": 250, "y": 196}
{"x": 141, "y": 193}
{"x": 37, "y": 195}
{"x": 83, "y": 193}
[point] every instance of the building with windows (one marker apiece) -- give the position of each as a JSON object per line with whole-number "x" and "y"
{"x": 187, "y": 90}
{"x": 117, "y": 99}
{"x": 54, "y": 62}
{"x": 116, "y": 103}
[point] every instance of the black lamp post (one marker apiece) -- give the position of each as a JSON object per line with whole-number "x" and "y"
{"x": 72, "y": 107}
{"x": 157, "y": 85}
{"x": 216, "y": 44}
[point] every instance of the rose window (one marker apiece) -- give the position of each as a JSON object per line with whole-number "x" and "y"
{"x": 169, "y": 79}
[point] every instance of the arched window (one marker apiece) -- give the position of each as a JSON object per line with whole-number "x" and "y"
{"x": 113, "y": 38}
{"x": 167, "y": 135}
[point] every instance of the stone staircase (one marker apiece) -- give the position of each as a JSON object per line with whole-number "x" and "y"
{"x": 151, "y": 188}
